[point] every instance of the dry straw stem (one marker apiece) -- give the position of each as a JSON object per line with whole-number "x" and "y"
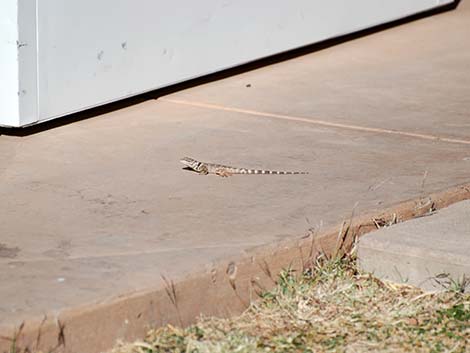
{"x": 14, "y": 348}
{"x": 331, "y": 306}
{"x": 170, "y": 290}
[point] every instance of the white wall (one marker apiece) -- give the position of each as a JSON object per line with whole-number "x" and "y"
{"x": 9, "y": 105}
{"x": 93, "y": 52}
{"x": 28, "y": 61}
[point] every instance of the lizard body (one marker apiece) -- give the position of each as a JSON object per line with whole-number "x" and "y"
{"x": 225, "y": 170}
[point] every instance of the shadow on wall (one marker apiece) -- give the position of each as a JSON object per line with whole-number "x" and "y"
{"x": 308, "y": 49}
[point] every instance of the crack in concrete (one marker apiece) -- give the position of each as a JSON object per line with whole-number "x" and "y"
{"x": 136, "y": 253}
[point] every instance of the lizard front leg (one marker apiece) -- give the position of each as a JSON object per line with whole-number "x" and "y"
{"x": 203, "y": 170}
{"x": 224, "y": 173}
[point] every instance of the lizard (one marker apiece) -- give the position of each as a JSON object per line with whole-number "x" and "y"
{"x": 224, "y": 170}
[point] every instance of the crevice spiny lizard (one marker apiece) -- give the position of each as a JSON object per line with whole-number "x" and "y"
{"x": 226, "y": 171}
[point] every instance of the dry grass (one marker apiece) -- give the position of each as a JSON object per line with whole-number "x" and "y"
{"x": 332, "y": 307}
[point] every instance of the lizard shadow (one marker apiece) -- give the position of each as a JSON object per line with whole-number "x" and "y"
{"x": 188, "y": 169}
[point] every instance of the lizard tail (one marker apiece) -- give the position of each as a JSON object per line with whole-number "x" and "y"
{"x": 269, "y": 172}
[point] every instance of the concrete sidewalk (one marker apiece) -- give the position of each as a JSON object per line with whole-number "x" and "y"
{"x": 95, "y": 212}
{"x": 429, "y": 252}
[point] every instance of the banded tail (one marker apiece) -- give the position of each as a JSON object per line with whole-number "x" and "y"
{"x": 261, "y": 171}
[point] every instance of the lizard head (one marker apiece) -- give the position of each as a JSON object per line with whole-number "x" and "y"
{"x": 191, "y": 163}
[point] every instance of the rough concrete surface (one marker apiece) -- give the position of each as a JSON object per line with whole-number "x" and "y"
{"x": 429, "y": 252}
{"x": 101, "y": 208}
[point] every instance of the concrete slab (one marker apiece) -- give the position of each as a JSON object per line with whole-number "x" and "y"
{"x": 95, "y": 212}
{"x": 104, "y": 204}
{"x": 428, "y": 252}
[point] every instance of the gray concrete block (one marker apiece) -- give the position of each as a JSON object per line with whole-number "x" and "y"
{"x": 428, "y": 252}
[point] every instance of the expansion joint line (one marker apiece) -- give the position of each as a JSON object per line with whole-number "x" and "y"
{"x": 317, "y": 121}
